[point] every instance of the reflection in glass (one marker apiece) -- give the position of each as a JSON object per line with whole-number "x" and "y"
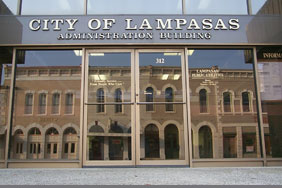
{"x": 5, "y": 80}
{"x": 205, "y": 142}
{"x": 171, "y": 142}
{"x": 69, "y": 103}
{"x": 52, "y": 7}
{"x": 246, "y": 101}
{"x": 118, "y": 99}
{"x": 109, "y": 135}
{"x": 152, "y": 142}
{"x": 109, "y": 125}
{"x": 221, "y": 83}
{"x": 271, "y": 99}
{"x": 229, "y": 142}
{"x": 169, "y": 99}
{"x": 8, "y": 7}
{"x": 216, "y": 7}
{"x": 100, "y": 99}
{"x": 227, "y": 101}
{"x": 44, "y": 78}
{"x": 266, "y": 6}
{"x": 149, "y": 98}
{"x": 28, "y": 103}
{"x": 249, "y": 142}
{"x": 136, "y": 7}
{"x": 203, "y": 101}
{"x": 42, "y": 103}
{"x": 55, "y": 103}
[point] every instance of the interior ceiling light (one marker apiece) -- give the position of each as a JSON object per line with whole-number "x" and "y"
{"x": 171, "y": 54}
{"x": 190, "y": 52}
{"x": 99, "y": 77}
{"x": 176, "y": 76}
{"x": 78, "y": 52}
{"x": 165, "y": 76}
{"x": 97, "y": 54}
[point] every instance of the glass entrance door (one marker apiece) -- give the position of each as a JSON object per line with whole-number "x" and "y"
{"x": 161, "y": 133}
{"x": 135, "y": 108}
{"x": 109, "y": 108}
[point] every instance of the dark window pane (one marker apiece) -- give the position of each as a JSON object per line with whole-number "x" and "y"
{"x": 28, "y": 103}
{"x": 55, "y": 103}
{"x": 149, "y": 98}
{"x": 30, "y": 148}
{"x": 169, "y": 98}
{"x": 39, "y": 150}
{"x": 72, "y": 147}
{"x": 66, "y": 147}
{"x": 17, "y": 149}
{"x": 152, "y": 145}
{"x": 48, "y": 148}
{"x": 205, "y": 142}
{"x": 42, "y": 103}
{"x": 246, "y": 101}
{"x": 21, "y": 147}
{"x": 55, "y": 148}
{"x": 69, "y": 103}
{"x": 118, "y": 98}
{"x": 227, "y": 101}
{"x": 100, "y": 99}
{"x": 203, "y": 101}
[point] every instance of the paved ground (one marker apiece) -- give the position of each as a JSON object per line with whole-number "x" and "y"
{"x": 143, "y": 176}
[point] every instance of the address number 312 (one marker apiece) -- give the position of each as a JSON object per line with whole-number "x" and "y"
{"x": 160, "y": 60}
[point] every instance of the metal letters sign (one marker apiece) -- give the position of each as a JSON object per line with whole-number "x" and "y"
{"x": 100, "y": 29}
{"x": 138, "y": 29}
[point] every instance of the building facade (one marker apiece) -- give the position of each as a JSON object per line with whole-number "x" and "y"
{"x": 134, "y": 83}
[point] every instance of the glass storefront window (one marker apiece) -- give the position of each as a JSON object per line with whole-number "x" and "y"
{"x": 270, "y": 68}
{"x": 5, "y": 81}
{"x": 41, "y": 129}
{"x": 134, "y": 7}
{"x": 223, "y": 104}
{"x": 8, "y": 7}
{"x": 52, "y": 7}
{"x": 266, "y": 6}
{"x": 216, "y": 7}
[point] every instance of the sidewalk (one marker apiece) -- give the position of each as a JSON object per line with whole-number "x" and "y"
{"x": 143, "y": 176}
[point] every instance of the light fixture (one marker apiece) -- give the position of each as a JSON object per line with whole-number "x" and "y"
{"x": 99, "y": 77}
{"x": 78, "y": 52}
{"x": 171, "y": 54}
{"x": 176, "y": 77}
{"x": 190, "y": 52}
{"x": 102, "y": 77}
{"x": 97, "y": 54}
{"x": 165, "y": 76}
